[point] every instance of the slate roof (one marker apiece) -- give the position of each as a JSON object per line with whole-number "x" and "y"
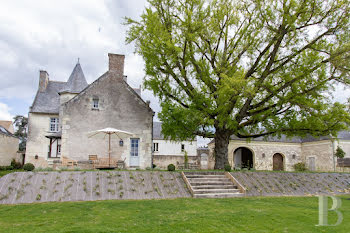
{"x": 343, "y": 135}
{"x": 48, "y": 101}
{"x": 157, "y": 130}
{"x": 5, "y": 132}
{"x": 76, "y": 82}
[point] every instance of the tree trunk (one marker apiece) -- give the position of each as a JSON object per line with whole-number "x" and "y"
{"x": 222, "y": 138}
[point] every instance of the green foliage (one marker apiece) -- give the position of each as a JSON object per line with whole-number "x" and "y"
{"x": 28, "y": 167}
{"x": 16, "y": 165}
{"x": 186, "y": 160}
{"x": 6, "y": 168}
{"x": 340, "y": 153}
{"x": 171, "y": 167}
{"x": 299, "y": 167}
{"x": 21, "y": 123}
{"x": 245, "y": 68}
{"x": 227, "y": 167}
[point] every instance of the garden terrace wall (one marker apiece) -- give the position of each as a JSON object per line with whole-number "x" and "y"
{"x": 293, "y": 184}
{"x": 29, "y": 187}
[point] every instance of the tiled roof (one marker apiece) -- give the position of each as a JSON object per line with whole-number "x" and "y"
{"x": 4, "y": 131}
{"x": 7, "y": 125}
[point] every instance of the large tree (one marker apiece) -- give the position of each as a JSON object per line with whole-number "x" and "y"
{"x": 248, "y": 68}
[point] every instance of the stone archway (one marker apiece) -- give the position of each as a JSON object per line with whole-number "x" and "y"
{"x": 243, "y": 158}
{"x": 278, "y": 162}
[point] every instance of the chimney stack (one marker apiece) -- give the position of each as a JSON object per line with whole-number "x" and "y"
{"x": 43, "y": 80}
{"x": 116, "y": 63}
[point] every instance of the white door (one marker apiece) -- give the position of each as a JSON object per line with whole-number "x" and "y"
{"x": 134, "y": 152}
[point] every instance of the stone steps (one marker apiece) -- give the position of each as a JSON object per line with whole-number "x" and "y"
{"x": 218, "y": 195}
{"x": 203, "y": 191}
{"x": 229, "y": 186}
{"x": 211, "y": 185}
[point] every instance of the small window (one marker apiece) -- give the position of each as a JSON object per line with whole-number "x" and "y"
{"x": 95, "y": 103}
{"x": 182, "y": 147}
{"x": 155, "y": 146}
{"x": 58, "y": 149}
{"x": 54, "y": 123}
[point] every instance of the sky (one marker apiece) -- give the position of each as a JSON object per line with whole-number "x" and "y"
{"x": 51, "y": 35}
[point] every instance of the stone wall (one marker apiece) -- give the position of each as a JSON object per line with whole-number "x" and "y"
{"x": 322, "y": 152}
{"x": 120, "y": 108}
{"x": 8, "y": 149}
{"x": 162, "y": 161}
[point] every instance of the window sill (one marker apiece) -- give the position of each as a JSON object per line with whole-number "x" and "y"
{"x": 95, "y": 109}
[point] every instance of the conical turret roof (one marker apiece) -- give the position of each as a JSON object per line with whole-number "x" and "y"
{"x": 76, "y": 82}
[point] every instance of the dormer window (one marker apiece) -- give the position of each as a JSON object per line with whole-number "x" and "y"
{"x": 95, "y": 103}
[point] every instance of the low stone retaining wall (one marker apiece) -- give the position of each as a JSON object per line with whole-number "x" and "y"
{"x": 29, "y": 187}
{"x": 293, "y": 184}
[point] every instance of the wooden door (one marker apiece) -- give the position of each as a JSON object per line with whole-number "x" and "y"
{"x": 278, "y": 162}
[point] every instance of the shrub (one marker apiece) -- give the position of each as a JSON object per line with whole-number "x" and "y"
{"x": 9, "y": 168}
{"x": 227, "y": 167}
{"x": 154, "y": 166}
{"x": 339, "y": 152}
{"x": 299, "y": 167}
{"x": 237, "y": 168}
{"x": 171, "y": 167}
{"x": 15, "y": 164}
{"x": 28, "y": 167}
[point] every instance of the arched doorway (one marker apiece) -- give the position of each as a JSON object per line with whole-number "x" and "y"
{"x": 278, "y": 162}
{"x": 243, "y": 158}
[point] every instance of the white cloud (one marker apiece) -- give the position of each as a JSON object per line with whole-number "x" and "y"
{"x": 5, "y": 112}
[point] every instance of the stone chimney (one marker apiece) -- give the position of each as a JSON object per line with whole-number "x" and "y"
{"x": 43, "y": 80}
{"x": 116, "y": 63}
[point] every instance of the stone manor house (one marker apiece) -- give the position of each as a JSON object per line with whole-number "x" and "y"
{"x": 64, "y": 113}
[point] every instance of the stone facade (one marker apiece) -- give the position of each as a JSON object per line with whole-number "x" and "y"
{"x": 318, "y": 155}
{"x": 120, "y": 108}
{"x": 71, "y": 105}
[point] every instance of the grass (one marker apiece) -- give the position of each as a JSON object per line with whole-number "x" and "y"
{"x": 263, "y": 214}
{"x": 5, "y": 172}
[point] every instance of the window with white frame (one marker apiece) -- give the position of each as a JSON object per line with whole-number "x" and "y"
{"x": 155, "y": 146}
{"x": 95, "y": 103}
{"x": 54, "y": 124}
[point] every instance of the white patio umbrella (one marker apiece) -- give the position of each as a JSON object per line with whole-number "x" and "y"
{"x": 110, "y": 132}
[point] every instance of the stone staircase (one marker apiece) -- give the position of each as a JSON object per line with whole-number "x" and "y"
{"x": 212, "y": 185}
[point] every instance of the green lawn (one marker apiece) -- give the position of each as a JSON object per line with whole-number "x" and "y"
{"x": 5, "y": 172}
{"x": 265, "y": 214}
